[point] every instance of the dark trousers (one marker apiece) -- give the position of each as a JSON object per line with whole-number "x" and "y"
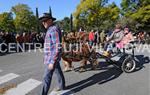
{"x": 48, "y": 77}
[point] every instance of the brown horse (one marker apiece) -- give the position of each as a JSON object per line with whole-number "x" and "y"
{"x": 79, "y": 50}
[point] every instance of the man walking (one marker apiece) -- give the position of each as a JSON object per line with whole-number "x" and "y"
{"x": 52, "y": 54}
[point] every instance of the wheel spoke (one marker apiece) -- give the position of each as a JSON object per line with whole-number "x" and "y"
{"x": 129, "y": 66}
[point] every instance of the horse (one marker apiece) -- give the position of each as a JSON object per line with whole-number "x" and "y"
{"x": 79, "y": 50}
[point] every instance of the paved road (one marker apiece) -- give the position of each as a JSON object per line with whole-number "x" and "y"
{"x": 26, "y": 70}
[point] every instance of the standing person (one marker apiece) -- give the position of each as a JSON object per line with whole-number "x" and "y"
{"x": 102, "y": 37}
{"x": 96, "y": 36}
{"x": 91, "y": 38}
{"x": 52, "y": 54}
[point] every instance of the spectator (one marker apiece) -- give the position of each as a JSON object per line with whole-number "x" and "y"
{"x": 91, "y": 38}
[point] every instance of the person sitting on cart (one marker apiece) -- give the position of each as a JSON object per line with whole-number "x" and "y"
{"x": 116, "y": 36}
{"x": 128, "y": 37}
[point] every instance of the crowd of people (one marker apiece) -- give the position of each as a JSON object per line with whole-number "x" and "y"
{"x": 100, "y": 37}
{"x": 95, "y": 37}
{"x": 20, "y": 38}
{"x": 142, "y": 37}
{"x": 118, "y": 37}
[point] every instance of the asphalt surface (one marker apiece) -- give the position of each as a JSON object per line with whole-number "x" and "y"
{"x": 106, "y": 81}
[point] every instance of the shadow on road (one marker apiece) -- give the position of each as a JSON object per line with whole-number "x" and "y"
{"x": 99, "y": 78}
{"x": 141, "y": 60}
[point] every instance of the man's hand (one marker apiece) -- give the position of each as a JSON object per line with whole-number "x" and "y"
{"x": 51, "y": 66}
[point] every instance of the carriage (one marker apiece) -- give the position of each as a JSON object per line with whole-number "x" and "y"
{"x": 121, "y": 58}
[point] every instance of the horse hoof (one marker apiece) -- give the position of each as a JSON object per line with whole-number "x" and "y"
{"x": 72, "y": 68}
{"x": 82, "y": 70}
{"x": 67, "y": 69}
{"x": 93, "y": 68}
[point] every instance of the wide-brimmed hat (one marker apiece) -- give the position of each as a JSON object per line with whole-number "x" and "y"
{"x": 46, "y": 16}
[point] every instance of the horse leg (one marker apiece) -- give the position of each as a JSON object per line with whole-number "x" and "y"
{"x": 67, "y": 65}
{"x": 95, "y": 65}
{"x": 83, "y": 64}
{"x": 70, "y": 67}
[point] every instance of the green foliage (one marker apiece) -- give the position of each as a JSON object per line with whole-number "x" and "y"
{"x": 143, "y": 17}
{"x": 95, "y": 14}
{"x": 138, "y": 11}
{"x": 89, "y": 14}
{"x": 64, "y": 24}
{"x": 24, "y": 18}
{"x": 6, "y": 22}
{"x": 100, "y": 15}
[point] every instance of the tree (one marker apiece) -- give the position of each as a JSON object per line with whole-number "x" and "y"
{"x": 24, "y": 18}
{"x": 38, "y": 23}
{"x": 6, "y": 22}
{"x": 71, "y": 23}
{"x": 50, "y": 11}
{"x": 109, "y": 16}
{"x": 143, "y": 17}
{"x": 95, "y": 14}
{"x": 138, "y": 11}
{"x": 64, "y": 24}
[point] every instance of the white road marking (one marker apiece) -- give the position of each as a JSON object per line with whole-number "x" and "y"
{"x": 24, "y": 88}
{"x": 8, "y": 77}
{"x": 0, "y": 70}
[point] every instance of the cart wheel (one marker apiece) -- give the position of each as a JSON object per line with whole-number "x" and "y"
{"x": 128, "y": 65}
